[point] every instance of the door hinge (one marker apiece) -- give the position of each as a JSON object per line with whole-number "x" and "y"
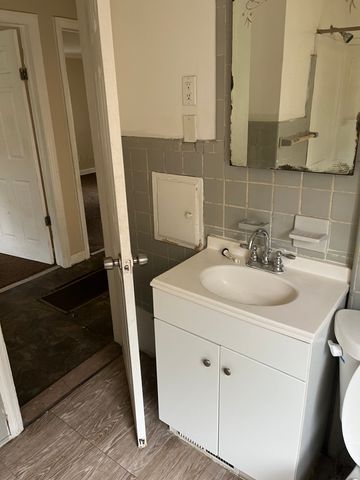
{"x": 48, "y": 221}
{"x": 23, "y": 73}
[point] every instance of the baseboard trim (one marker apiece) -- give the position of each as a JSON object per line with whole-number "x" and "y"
{"x": 87, "y": 171}
{"x": 78, "y": 257}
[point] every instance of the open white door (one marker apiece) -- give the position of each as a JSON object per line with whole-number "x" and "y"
{"x": 100, "y": 76}
{"x": 23, "y": 232}
{"x": 10, "y": 415}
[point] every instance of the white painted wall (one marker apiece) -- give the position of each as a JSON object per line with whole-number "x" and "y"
{"x": 156, "y": 43}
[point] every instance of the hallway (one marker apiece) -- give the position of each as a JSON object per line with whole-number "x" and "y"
{"x": 44, "y": 343}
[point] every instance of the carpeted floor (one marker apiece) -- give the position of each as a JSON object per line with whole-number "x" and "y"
{"x": 14, "y": 269}
{"x": 92, "y": 211}
{"x": 44, "y": 344}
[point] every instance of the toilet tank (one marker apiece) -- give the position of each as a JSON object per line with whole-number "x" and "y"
{"x": 347, "y": 332}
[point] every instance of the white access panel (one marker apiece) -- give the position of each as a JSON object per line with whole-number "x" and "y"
{"x": 178, "y": 209}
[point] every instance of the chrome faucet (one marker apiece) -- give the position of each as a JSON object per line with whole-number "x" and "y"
{"x": 265, "y": 262}
{"x": 267, "y": 250}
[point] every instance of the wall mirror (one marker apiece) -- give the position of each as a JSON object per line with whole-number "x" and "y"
{"x": 296, "y": 84}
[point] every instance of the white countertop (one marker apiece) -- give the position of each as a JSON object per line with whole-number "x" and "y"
{"x": 321, "y": 289}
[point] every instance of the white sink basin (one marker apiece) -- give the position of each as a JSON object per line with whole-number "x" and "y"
{"x": 247, "y": 286}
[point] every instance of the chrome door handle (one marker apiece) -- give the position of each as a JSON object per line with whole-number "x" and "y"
{"x": 110, "y": 263}
{"x": 141, "y": 259}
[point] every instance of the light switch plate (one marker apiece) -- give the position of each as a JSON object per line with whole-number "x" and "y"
{"x": 189, "y": 127}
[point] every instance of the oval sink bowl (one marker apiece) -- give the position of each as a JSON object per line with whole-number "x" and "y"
{"x": 247, "y": 286}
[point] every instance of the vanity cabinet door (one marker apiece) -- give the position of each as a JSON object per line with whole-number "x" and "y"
{"x": 260, "y": 417}
{"x": 188, "y": 384}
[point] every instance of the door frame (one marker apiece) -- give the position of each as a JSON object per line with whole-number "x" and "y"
{"x": 28, "y": 27}
{"x": 8, "y": 393}
{"x": 68, "y": 25}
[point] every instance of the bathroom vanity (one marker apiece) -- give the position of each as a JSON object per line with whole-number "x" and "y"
{"x": 249, "y": 383}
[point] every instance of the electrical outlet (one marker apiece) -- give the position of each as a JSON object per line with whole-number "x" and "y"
{"x": 189, "y": 90}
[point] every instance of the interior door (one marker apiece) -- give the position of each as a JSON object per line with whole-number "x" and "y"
{"x": 23, "y": 232}
{"x": 100, "y": 76}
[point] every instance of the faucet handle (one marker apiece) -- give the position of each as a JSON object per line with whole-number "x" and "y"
{"x": 278, "y": 264}
{"x": 254, "y": 255}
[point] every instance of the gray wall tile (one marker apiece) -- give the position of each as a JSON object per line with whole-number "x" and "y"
{"x": 139, "y": 160}
{"x": 236, "y": 173}
{"x": 214, "y": 190}
{"x": 260, "y": 176}
{"x": 235, "y": 193}
{"x": 345, "y": 207}
{"x": 213, "y": 165}
{"x": 286, "y": 200}
{"x": 232, "y": 217}
{"x": 173, "y": 163}
{"x": 288, "y": 178}
{"x": 156, "y": 160}
{"x": 315, "y": 203}
{"x": 282, "y": 225}
{"x": 258, "y": 216}
{"x": 140, "y": 181}
{"x": 342, "y": 237}
{"x": 213, "y": 214}
{"x": 193, "y": 164}
{"x": 260, "y": 196}
{"x": 348, "y": 183}
{"x": 317, "y": 180}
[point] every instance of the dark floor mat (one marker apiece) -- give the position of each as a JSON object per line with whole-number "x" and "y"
{"x": 79, "y": 292}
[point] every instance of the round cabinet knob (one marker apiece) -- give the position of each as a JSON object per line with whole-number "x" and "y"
{"x": 206, "y": 362}
{"x": 227, "y": 371}
{"x": 188, "y": 215}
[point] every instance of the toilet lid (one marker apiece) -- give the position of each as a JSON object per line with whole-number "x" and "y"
{"x": 351, "y": 417}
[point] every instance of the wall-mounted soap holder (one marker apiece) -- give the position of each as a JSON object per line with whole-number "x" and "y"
{"x": 304, "y": 236}
{"x": 248, "y": 225}
{"x": 310, "y": 233}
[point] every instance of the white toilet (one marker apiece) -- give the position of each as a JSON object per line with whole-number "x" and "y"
{"x": 347, "y": 332}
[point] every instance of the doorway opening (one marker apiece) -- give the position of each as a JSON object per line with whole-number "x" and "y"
{"x": 73, "y": 79}
{"x": 44, "y": 342}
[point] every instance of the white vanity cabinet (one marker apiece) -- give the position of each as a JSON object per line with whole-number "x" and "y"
{"x": 239, "y": 409}
{"x": 188, "y": 384}
{"x": 259, "y": 417}
{"x": 250, "y": 383}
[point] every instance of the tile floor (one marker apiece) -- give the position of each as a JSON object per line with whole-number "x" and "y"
{"x": 89, "y": 435}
